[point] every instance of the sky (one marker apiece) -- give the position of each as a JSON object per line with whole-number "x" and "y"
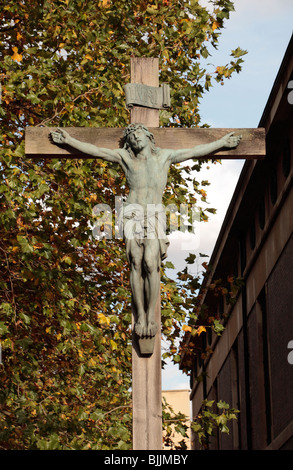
{"x": 264, "y": 29}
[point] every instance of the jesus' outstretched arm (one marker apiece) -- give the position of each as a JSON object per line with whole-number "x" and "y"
{"x": 204, "y": 150}
{"x": 61, "y": 137}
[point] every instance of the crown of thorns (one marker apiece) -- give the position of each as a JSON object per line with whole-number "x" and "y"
{"x": 133, "y": 127}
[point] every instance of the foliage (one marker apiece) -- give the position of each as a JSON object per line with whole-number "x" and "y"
{"x": 193, "y": 317}
{"x": 65, "y": 297}
{"x": 213, "y": 418}
{"x": 208, "y": 421}
{"x": 174, "y": 423}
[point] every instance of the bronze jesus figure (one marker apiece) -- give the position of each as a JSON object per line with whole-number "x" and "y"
{"x": 146, "y": 169}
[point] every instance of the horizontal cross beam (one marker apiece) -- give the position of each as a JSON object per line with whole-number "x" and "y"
{"x": 252, "y": 145}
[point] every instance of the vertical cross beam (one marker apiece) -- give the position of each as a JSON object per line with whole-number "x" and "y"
{"x": 146, "y": 370}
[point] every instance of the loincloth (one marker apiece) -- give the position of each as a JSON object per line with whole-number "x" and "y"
{"x": 140, "y": 226}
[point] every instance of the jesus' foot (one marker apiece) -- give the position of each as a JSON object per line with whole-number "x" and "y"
{"x": 152, "y": 328}
{"x": 141, "y": 327}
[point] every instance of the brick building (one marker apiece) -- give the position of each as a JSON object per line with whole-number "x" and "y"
{"x": 250, "y": 367}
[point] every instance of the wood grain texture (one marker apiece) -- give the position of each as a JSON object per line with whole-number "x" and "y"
{"x": 39, "y": 145}
{"x": 145, "y": 71}
{"x": 146, "y": 371}
{"x": 147, "y": 393}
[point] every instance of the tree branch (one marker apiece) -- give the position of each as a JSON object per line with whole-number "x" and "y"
{"x": 83, "y": 95}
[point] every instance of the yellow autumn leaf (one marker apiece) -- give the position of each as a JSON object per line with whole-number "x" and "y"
{"x": 103, "y": 319}
{"x": 113, "y": 344}
{"x": 186, "y": 328}
{"x": 215, "y": 25}
{"x": 200, "y": 330}
{"x": 16, "y": 56}
{"x": 92, "y": 362}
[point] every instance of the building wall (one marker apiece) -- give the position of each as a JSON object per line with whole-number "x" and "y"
{"x": 280, "y": 332}
{"x": 249, "y": 367}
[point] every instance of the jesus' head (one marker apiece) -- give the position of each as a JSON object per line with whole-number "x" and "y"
{"x": 136, "y": 137}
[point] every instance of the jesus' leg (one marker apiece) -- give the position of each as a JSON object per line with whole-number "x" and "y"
{"x": 152, "y": 282}
{"x": 137, "y": 287}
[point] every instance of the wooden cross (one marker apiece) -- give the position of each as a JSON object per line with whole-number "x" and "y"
{"x": 146, "y": 369}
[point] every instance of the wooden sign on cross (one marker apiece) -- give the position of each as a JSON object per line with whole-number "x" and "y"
{"x": 146, "y": 363}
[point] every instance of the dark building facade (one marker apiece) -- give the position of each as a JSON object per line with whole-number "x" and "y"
{"x": 250, "y": 367}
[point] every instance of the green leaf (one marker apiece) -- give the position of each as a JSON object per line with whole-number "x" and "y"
{"x": 218, "y": 327}
{"x": 190, "y": 259}
{"x": 42, "y": 189}
{"x": 25, "y": 317}
{"x": 238, "y": 52}
{"x": 169, "y": 265}
{"x": 208, "y": 403}
{"x": 97, "y": 415}
{"x": 196, "y": 427}
{"x": 24, "y": 244}
{"x": 3, "y": 328}
{"x": 49, "y": 444}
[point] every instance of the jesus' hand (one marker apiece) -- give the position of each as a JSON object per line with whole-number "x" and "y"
{"x": 59, "y": 136}
{"x": 230, "y": 141}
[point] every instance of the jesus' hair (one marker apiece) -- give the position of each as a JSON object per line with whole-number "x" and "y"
{"x": 132, "y": 128}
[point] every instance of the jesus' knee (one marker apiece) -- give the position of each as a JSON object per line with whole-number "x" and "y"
{"x": 135, "y": 257}
{"x": 151, "y": 264}
{"x": 136, "y": 265}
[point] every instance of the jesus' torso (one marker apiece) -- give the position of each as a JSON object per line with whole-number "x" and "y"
{"x": 146, "y": 176}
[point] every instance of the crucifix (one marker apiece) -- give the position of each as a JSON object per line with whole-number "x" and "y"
{"x": 146, "y": 155}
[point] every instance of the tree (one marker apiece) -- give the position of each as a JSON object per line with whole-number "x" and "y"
{"x": 65, "y": 296}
